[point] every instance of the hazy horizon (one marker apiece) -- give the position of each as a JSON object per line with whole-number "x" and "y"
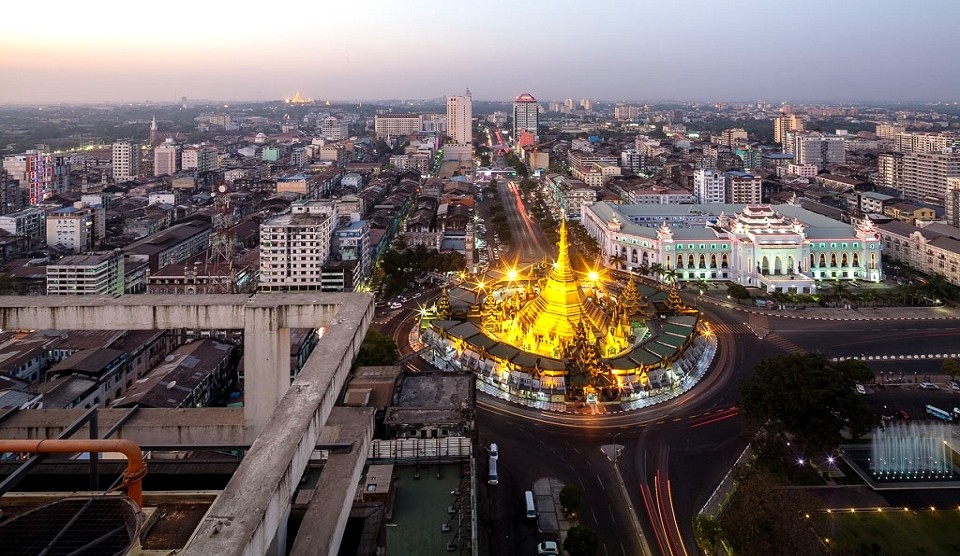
{"x": 740, "y": 51}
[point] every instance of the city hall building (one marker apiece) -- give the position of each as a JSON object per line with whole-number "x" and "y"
{"x": 777, "y": 247}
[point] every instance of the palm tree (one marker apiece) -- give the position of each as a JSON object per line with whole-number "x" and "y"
{"x": 657, "y": 270}
{"x": 643, "y": 269}
{"x": 617, "y": 261}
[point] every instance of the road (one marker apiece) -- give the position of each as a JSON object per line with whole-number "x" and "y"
{"x": 529, "y": 244}
{"x": 674, "y": 454}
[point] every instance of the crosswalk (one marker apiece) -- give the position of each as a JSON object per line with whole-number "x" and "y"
{"x": 723, "y": 328}
{"x": 783, "y": 343}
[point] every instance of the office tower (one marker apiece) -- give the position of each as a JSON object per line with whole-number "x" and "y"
{"x": 460, "y": 118}
{"x": 818, "y": 149}
{"x": 709, "y": 186}
{"x": 526, "y": 114}
{"x": 784, "y": 123}
{"x": 166, "y": 159}
{"x": 126, "y": 160}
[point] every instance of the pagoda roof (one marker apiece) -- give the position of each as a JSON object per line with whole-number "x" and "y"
{"x": 643, "y": 357}
{"x": 504, "y": 351}
{"x": 660, "y": 350}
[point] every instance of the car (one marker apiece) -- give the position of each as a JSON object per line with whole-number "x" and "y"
{"x": 548, "y": 548}
{"x": 861, "y": 389}
{"x": 494, "y": 451}
{"x": 954, "y": 385}
{"x": 929, "y": 386}
{"x": 395, "y": 305}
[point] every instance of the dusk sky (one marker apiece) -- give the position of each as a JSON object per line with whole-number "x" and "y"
{"x": 816, "y": 50}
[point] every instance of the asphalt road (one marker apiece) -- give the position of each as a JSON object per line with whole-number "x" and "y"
{"x": 674, "y": 454}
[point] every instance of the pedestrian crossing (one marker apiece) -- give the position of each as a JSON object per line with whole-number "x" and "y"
{"x": 783, "y": 343}
{"x": 723, "y": 328}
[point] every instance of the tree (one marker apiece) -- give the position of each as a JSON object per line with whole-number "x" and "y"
{"x": 738, "y": 292}
{"x": 616, "y": 260}
{"x": 377, "y": 349}
{"x": 581, "y": 541}
{"x": 806, "y": 397}
{"x": 855, "y": 370}
{"x": 570, "y": 499}
{"x": 951, "y": 367}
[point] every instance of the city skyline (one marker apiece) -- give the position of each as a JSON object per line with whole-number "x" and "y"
{"x": 697, "y": 51}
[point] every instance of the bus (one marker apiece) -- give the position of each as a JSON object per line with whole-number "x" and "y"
{"x": 492, "y": 477}
{"x": 939, "y": 413}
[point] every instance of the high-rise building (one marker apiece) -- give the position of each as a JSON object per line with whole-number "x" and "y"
{"x": 818, "y": 149}
{"x": 633, "y": 160}
{"x": 40, "y": 173}
{"x": 784, "y": 123}
{"x": 71, "y": 228}
{"x": 733, "y": 137}
{"x": 295, "y": 245}
{"x": 709, "y": 186}
{"x": 526, "y": 115}
{"x": 87, "y": 274}
{"x": 889, "y": 131}
{"x": 334, "y": 128}
{"x": 126, "y": 160}
{"x": 394, "y": 125}
{"x": 926, "y": 142}
{"x": 919, "y": 175}
{"x": 200, "y": 158}
{"x": 460, "y": 118}
{"x": 10, "y": 198}
{"x": 166, "y": 159}
{"x": 952, "y": 202}
{"x": 742, "y": 187}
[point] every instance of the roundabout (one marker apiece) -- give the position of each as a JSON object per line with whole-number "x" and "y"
{"x": 553, "y": 339}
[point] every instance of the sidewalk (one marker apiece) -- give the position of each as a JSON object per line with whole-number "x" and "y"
{"x": 839, "y": 313}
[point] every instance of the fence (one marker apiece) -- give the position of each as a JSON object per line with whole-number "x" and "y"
{"x": 451, "y": 448}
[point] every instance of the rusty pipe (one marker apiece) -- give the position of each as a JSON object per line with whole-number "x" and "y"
{"x": 132, "y": 477}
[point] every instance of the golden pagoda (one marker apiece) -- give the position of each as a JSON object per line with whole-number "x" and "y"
{"x": 548, "y": 324}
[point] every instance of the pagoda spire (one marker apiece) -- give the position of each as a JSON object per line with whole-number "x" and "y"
{"x": 561, "y": 269}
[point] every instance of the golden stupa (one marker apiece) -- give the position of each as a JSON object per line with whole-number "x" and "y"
{"x": 561, "y": 315}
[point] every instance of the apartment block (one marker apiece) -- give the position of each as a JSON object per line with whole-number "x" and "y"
{"x": 87, "y": 274}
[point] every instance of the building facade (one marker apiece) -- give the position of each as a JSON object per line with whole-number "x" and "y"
{"x": 818, "y": 150}
{"x": 394, "y": 125}
{"x": 71, "y": 229}
{"x": 779, "y": 248}
{"x": 460, "y": 118}
{"x": 87, "y": 274}
{"x": 919, "y": 175}
{"x": 743, "y": 188}
{"x": 934, "y": 249}
{"x": 293, "y": 249}
{"x": 526, "y": 115}
{"x": 126, "y": 159}
{"x": 784, "y": 123}
{"x": 166, "y": 159}
{"x": 709, "y": 186}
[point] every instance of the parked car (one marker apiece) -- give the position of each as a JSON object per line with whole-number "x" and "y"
{"x": 929, "y": 386}
{"x": 861, "y": 389}
{"x": 494, "y": 452}
{"x": 548, "y": 548}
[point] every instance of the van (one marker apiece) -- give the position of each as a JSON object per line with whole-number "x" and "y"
{"x": 531, "y": 509}
{"x": 492, "y": 478}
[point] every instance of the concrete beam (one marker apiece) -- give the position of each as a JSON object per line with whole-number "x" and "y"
{"x": 265, "y": 319}
{"x": 324, "y": 522}
{"x": 207, "y": 426}
{"x": 245, "y": 518}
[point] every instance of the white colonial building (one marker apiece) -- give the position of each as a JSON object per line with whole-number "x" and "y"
{"x": 782, "y": 247}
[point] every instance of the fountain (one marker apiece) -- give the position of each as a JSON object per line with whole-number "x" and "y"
{"x": 911, "y": 451}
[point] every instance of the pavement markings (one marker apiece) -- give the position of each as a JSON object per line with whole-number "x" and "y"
{"x": 783, "y": 343}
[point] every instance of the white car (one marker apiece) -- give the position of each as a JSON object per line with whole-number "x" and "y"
{"x": 929, "y": 386}
{"x": 494, "y": 451}
{"x": 548, "y": 548}
{"x": 861, "y": 389}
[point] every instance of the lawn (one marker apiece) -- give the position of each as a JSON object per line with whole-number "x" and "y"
{"x": 927, "y": 532}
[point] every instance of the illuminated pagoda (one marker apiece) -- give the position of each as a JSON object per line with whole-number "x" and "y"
{"x": 549, "y": 333}
{"x": 548, "y": 323}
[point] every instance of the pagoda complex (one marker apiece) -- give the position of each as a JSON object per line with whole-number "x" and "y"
{"x": 562, "y": 314}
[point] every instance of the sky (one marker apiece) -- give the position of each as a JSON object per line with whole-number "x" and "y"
{"x": 630, "y": 50}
